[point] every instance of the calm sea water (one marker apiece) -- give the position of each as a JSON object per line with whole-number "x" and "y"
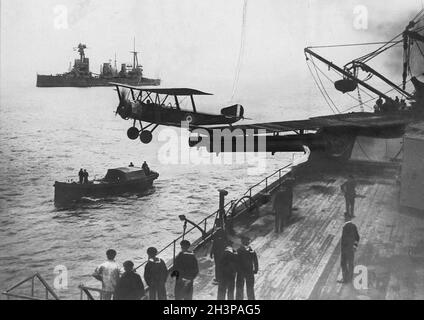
{"x": 49, "y": 134}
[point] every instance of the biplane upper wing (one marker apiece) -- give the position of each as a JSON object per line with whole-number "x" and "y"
{"x": 349, "y": 120}
{"x": 168, "y": 91}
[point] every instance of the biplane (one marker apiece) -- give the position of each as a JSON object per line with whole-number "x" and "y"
{"x": 333, "y": 134}
{"x": 162, "y": 106}
{"x": 336, "y": 134}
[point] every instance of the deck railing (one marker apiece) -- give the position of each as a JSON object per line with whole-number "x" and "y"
{"x": 48, "y": 291}
{"x": 208, "y": 226}
{"x": 208, "y": 223}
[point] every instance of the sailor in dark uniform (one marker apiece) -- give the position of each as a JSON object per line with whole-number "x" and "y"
{"x": 227, "y": 274}
{"x": 349, "y": 190}
{"x": 81, "y": 176}
{"x": 155, "y": 274}
{"x": 85, "y": 176}
{"x": 185, "y": 271}
{"x": 247, "y": 268}
{"x": 129, "y": 286}
{"x": 218, "y": 247}
{"x": 146, "y": 168}
{"x": 349, "y": 243}
{"x": 282, "y": 204}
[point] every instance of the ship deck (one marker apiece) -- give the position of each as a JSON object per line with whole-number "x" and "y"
{"x": 303, "y": 262}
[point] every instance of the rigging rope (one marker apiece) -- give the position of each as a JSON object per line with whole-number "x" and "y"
{"x": 319, "y": 88}
{"x": 241, "y": 50}
{"x": 365, "y": 103}
{"x": 360, "y": 100}
{"x": 351, "y": 45}
{"x": 323, "y": 87}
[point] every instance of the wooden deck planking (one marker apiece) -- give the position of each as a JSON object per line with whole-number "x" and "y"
{"x": 385, "y": 234}
{"x": 304, "y": 261}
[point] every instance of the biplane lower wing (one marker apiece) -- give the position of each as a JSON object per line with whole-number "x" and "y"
{"x": 359, "y": 120}
{"x": 334, "y": 134}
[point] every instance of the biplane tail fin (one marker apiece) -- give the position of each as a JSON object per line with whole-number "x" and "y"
{"x": 235, "y": 111}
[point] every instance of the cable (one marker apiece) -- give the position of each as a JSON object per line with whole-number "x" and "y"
{"x": 348, "y": 45}
{"x": 241, "y": 50}
{"x": 355, "y": 106}
{"x": 323, "y": 88}
{"x": 319, "y": 88}
{"x": 360, "y": 100}
{"x": 365, "y": 103}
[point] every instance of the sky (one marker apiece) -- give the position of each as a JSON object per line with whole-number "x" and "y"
{"x": 189, "y": 42}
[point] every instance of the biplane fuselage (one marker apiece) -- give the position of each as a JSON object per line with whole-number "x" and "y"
{"x": 162, "y": 106}
{"x": 171, "y": 116}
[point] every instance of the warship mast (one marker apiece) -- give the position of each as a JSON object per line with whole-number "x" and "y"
{"x": 135, "y": 57}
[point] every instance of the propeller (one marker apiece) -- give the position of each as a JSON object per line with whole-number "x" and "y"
{"x": 124, "y": 107}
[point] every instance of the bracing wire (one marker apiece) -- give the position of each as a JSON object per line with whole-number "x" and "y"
{"x": 241, "y": 50}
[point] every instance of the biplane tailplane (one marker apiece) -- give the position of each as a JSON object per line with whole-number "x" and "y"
{"x": 235, "y": 111}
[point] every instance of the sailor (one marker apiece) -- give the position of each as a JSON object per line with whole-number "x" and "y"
{"x": 129, "y": 286}
{"x": 402, "y": 104}
{"x": 349, "y": 244}
{"x": 146, "y": 168}
{"x": 281, "y": 207}
{"x": 85, "y": 176}
{"x": 349, "y": 191}
{"x": 397, "y": 103}
{"x": 247, "y": 268}
{"x": 384, "y": 106}
{"x": 227, "y": 276}
{"x": 131, "y": 165}
{"x": 155, "y": 274}
{"x": 108, "y": 274}
{"x": 185, "y": 270}
{"x": 218, "y": 247}
{"x": 81, "y": 176}
{"x": 378, "y": 105}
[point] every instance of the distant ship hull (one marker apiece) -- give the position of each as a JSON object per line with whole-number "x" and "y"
{"x": 45, "y": 81}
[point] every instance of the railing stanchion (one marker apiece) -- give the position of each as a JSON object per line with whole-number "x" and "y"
{"x": 250, "y": 197}
{"x": 32, "y": 286}
{"x": 173, "y": 259}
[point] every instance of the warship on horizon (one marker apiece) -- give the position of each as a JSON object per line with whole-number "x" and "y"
{"x": 80, "y": 75}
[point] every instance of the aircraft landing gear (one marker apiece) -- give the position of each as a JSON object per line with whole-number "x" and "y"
{"x": 146, "y": 137}
{"x": 133, "y": 133}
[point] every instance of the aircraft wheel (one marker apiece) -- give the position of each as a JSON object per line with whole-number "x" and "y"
{"x": 133, "y": 133}
{"x": 146, "y": 137}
